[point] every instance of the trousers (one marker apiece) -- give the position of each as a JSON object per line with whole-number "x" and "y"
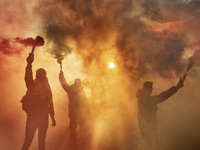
{"x": 33, "y": 123}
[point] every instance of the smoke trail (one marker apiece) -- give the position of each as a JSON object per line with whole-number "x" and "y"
{"x": 25, "y": 42}
{"x": 39, "y": 41}
{"x": 91, "y": 24}
{"x": 11, "y": 46}
{"x": 194, "y": 59}
{"x": 57, "y": 36}
{"x": 8, "y": 47}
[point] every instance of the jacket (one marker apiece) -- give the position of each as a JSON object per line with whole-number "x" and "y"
{"x": 38, "y": 98}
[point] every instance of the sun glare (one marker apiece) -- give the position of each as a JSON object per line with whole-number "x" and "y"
{"x": 111, "y": 65}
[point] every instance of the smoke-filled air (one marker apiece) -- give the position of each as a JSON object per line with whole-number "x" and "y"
{"x": 113, "y": 46}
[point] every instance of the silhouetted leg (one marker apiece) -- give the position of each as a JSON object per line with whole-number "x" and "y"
{"x": 83, "y": 131}
{"x": 155, "y": 139}
{"x": 145, "y": 135}
{"x": 42, "y": 130}
{"x": 72, "y": 128}
{"x": 151, "y": 141}
{"x": 29, "y": 133}
{"x": 41, "y": 138}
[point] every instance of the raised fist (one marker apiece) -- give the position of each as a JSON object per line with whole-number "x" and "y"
{"x": 30, "y": 58}
{"x": 180, "y": 83}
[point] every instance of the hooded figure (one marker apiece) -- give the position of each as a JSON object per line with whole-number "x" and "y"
{"x": 38, "y": 104}
{"x": 147, "y": 109}
{"x": 77, "y": 106}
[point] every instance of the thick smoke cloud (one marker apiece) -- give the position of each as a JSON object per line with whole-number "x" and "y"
{"x": 91, "y": 24}
{"x": 96, "y": 27}
{"x": 89, "y": 34}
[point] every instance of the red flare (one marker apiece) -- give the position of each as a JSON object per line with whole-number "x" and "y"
{"x": 38, "y": 41}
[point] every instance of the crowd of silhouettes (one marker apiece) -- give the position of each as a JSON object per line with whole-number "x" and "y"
{"x": 38, "y": 104}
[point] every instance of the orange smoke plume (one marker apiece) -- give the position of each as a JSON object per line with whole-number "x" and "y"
{"x": 172, "y": 27}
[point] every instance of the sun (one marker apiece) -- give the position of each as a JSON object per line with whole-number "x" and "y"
{"x": 111, "y": 65}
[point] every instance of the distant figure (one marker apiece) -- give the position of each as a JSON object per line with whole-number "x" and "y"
{"x": 77, "y": 106}
{"x": 38, "y": 104}
{"x": 147, "y": 109}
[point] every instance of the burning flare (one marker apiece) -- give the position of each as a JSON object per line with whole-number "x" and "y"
{"x": 192, "y": 60}
{"x": 39, "y": 41}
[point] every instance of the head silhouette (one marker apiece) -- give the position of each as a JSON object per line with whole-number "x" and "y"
{"x": 77, "y": 82}
{"x": 148, "y": 87}
{"x": 41, "y": 74}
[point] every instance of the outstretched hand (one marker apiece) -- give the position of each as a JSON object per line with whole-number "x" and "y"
{"x": 30, "y": 58}
{"x": 180, "y": 83}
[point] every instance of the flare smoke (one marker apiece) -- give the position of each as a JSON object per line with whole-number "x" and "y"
{"x": 92, "y": 25}
{"x": 10, "y": 47}
{"x": 194, "y": 59}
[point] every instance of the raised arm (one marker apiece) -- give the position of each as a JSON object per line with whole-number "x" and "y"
{"x": 28, "y": 73}
{"x": 63, "y": 82}
{"x": 165, "y": 95}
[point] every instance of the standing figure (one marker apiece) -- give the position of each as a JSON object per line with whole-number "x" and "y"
{"x": 77, "y": 106}
{"x": 38, "y": 104}
{"x": 147, "y": 109}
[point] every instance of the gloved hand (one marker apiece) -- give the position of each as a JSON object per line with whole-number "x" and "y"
{"x": 30, "y": 58}
{"x": 180, "y": 83}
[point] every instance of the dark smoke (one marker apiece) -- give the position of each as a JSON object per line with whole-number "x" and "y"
{"x": 90, "y": 24}
{"x": 153, "y": 11}
{"x": 162, "y": 56}
{"x": 57, "y": 36}
{"x": 167, "y": 60}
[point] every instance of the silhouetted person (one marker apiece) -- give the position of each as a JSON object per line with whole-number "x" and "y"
{"x": 38, "y": 104}
{"x": 147, "y": 109}
{"x": 77, "y": 105}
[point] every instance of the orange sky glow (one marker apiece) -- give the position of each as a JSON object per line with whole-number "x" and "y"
{"x": 113, "y": 47}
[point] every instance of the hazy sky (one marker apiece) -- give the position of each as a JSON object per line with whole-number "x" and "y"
{"x": 146, "y": 39}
